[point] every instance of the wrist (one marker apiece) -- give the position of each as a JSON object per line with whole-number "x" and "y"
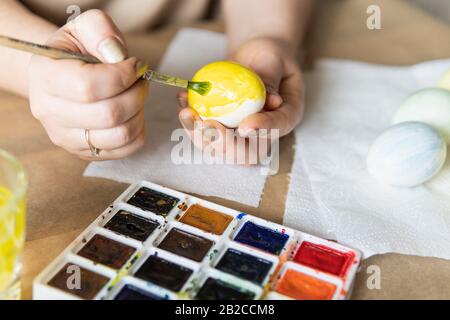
{"x": 278, "y": 43}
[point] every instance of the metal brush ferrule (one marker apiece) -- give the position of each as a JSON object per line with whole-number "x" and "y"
{"x": 155, "y": 76}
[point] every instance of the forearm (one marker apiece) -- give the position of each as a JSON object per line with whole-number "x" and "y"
{"x": 284, "y": 20}
{"x": 16, "y": 21}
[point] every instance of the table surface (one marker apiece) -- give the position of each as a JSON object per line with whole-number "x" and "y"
{"x": 61, "y": 202}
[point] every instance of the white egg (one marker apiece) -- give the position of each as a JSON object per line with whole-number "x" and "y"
{"x": 233, "y": 119}
{"x": 407, "y": 154}
{"x": 444, "y": 83}
{"x": 431, "y": 106}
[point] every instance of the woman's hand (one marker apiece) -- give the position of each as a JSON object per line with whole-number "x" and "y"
{"x": 69, "y": 96}
{"x": 275, "y": 63}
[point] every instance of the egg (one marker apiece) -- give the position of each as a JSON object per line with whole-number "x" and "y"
{"x": 431, "y": 106}
{"x": 444, "y": 83}
{"x": 407, "y": 154}
{"x": 236, "y": 93}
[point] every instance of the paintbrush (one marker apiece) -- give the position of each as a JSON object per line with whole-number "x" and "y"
{"x": 201, "y": 88}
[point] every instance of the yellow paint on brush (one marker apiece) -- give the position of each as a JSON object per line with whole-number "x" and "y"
{"x": 232, "y": 85}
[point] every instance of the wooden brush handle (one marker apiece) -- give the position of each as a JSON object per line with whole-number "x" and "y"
{"x": 44, "y": 50}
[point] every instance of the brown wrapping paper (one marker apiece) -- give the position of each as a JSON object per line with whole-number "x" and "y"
{"x": 61, "y": 202}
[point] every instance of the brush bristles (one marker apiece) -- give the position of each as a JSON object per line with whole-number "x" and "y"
{"x": 201, "y": 88}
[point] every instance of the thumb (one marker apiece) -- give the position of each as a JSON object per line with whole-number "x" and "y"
{"x": 97, "y": 34}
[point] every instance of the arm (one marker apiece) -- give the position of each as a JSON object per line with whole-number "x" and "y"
{"x": 69, "y": 97}
{"x": 285, "y": 21}
{"x": 16, "y": 21}
{"x": 266, "y": 36}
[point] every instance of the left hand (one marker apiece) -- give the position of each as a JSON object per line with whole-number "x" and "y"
{"x": 275, "y": 63}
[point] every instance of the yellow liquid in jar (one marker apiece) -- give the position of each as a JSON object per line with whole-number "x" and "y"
{"x": 12, "y": 236}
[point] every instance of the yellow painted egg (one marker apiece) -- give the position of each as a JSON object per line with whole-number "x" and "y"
{"x": 236, "y": 93}
{"x": 444, "y": 83}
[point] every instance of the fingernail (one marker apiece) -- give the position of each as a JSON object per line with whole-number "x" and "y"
{"x": 182, "y": 102}
{"x": 188, "y": 122}
{"x": 247, "y": 133}
{"x": 112, "y": 50}
{"x": 141, "y": 68}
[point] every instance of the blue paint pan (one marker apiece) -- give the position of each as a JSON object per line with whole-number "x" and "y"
{"x": 262, "y": 238}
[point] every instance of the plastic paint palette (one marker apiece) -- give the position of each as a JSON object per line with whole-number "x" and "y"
{"x": 155, "y": 243}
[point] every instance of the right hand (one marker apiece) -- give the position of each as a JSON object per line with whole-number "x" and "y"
{"x": 69, "y": 96}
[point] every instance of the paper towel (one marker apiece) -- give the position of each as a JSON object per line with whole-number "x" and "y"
{"x": 189, "y": 51}
{"x": 331, "y": 193}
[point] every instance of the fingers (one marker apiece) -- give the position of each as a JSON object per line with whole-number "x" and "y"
{"x": 98, "y": 36}
{"x": 273, "y": 99}
{"x": 284, "y": 119}
{"x": 115, "y": 154}
{"x": 182, "y": 100}
{"x": 188, "y": 118}
{"x": 107, "y": 139}
{"x": 70, "y": 96}
{"x": 277, "y": 119}
{"x": 81, "y": 82}
{"x": 217, "y": 141}
{"x": 103, "y": 114}
{"x": 292, "y": 90}
{"x": 287, "y": 116}
{"x": 92, "y": 33}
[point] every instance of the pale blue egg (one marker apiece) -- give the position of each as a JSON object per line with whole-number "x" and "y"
{"x": 407, "y": 154}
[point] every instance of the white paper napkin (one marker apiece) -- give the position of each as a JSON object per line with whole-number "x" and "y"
{"x": 331, "y": 193}
{"x": 189, "y": 51}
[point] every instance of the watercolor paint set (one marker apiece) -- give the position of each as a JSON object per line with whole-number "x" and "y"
{"x": 154, "y": 243}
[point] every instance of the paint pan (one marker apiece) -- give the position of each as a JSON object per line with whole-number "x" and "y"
{"x": 327, "y": 256}
{"x": 106, "y": 251}
{"x": 131, "y": 225}
{"x": 264, "y": 235}
{"x": 189, "y": 248}
{"x": 90, "y": 285}
{"x": 303, "y": 283}
{"x": 246, "y": 263}
{"x": 153, "y": 201}
{"x": 165, "y": 270}
{"x": 152, "y": 198}
{"x": 324, "y": 258}
{"x": 164, "y": 273}
{"x": 125, "y": 221}
{"x": 206, "y": 219}
{"x": 215, "y": 285}
{"x": 60, "y": 282}
{"x": 130, "y": 292}
{"x": 186, "y": 241}
{"x": 129, "y": 288}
